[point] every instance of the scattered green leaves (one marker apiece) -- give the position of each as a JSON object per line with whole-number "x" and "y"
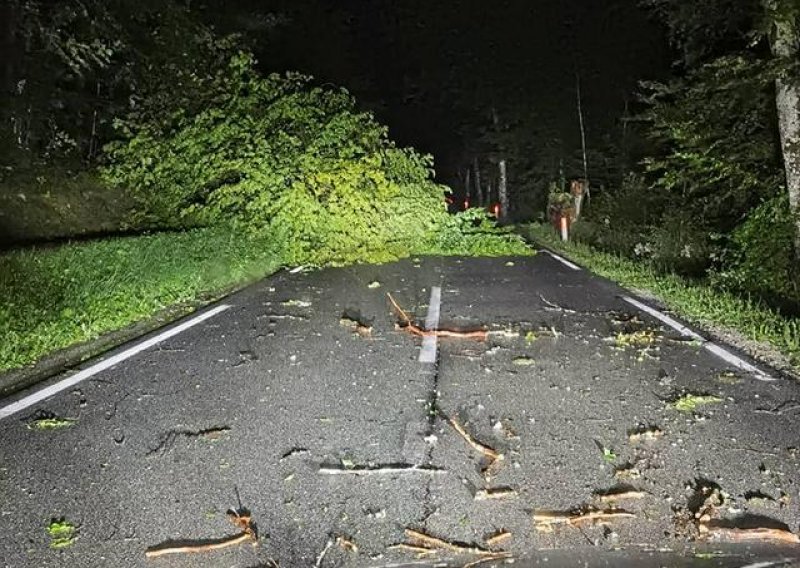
{"x": 636, "y": 339}
{"x": 690, "y": 402}
{"x": 51, "y": 423}
{"x": 62, "y": 533}
{"x": 608, "y": 455}
{"x": 524, "y": 361}
{"x": 697, "y": 301}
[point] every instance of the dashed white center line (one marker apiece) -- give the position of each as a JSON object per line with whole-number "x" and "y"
{"x": 563, "y": 260}
{"x": 710, "y": 346}
{"x": 428, "y": 352}
{"x": 73, "y": 380}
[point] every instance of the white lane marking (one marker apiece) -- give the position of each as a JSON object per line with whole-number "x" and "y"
{"x": 73, "y": 380}
{"x": 563, "y": 261}
{"x": 738, "y": 362}
{"x": 720, "y": 352}
{"x": 769, "y": 563}
{"x": 428, "y": 352}
{"x": 674, "y": 324}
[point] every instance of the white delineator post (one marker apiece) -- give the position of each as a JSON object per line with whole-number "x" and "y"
{"x": 564, "y": 228}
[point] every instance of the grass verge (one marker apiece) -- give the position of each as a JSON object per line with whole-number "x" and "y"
{"x": 53, "y": 298}
{"x": 696, "y": 301}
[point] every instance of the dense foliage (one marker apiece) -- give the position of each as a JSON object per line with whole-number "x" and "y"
{"x": 710, "y": 199}
{"x": 278, "y": 156}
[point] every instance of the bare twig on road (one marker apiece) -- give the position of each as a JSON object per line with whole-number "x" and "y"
{"x": 495, "y": 493}
{"x": 241, "y": 520}
{"x": 410, "y": 327}
{"x": 418, "y": 550}
{"x": 491, "y": 454}
{"x": 546, "y": 520}
{"x": 488, "y": 558}
{"x": 322, "y": 554}
{"x": 622, "y": 495}
{"x": 728, "y": 534}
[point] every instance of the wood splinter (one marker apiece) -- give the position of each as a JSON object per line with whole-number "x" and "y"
{"x": 498, "y": 538}
{"x": 730, "y": 534}
{"x": 242, "y": 521}
{"x": 418, "y": 538}
{"x": 495, "y": 494}
{"x": 546, "y": 520}
{"x": 413, "y": 329}
{"x": 491, "y": 454}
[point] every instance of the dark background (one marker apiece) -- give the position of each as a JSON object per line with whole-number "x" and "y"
{"x": 434, "y": 70}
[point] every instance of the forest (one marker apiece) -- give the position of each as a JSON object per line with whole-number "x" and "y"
{"x": 261, "y": 126}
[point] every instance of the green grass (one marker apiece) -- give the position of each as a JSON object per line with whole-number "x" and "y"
{"x": 696, "y": 301}
{"x": 51, "y": 298}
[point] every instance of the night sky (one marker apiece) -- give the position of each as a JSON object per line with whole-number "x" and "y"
{"x": 431, "y": 70}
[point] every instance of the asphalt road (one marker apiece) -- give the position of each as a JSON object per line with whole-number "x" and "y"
{"x": 276, "y": 403}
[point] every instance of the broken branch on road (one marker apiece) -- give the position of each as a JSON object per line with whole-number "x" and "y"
{"x": 240, "y": 519}
{"x": 407, "y": 325}
{"x": 545, "y": 521}
{"x": 714, "y": 532}
{"x": 495, "y": 494}
{"x": 491, "y": 454}
{"x": 423, "y": 540}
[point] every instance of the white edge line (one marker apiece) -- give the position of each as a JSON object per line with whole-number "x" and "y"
{"x": 84, "y": 374}
{"x": 712, "y": 347}
{"x": 428, "y": 352}
{"x": 769, "y": 563}
{"x": 674, "y": 324}
{"x": 562, "y": 260}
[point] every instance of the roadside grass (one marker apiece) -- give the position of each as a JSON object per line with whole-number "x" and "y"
{"x": 695, "y": 301}
{"x": 52, "y": 298}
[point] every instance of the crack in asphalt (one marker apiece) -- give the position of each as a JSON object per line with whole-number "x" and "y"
{"x": 169, "y": 439}
{"x": 432, "y": 408}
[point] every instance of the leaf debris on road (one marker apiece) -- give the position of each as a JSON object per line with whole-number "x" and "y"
{"x": 62, "y": 533}
{"x": 690, "y": 402}
{"x": 51, "y": 423}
